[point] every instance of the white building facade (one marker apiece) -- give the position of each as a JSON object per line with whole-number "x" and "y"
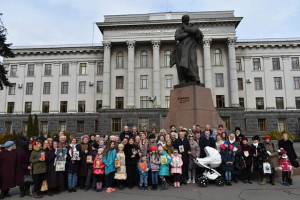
{"x": 127, "y": 81}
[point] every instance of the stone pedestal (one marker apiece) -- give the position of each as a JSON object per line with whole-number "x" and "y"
{"x": 190, "y": 106}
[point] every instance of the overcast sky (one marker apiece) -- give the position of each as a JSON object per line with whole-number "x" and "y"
{"x": 51, "y": 22}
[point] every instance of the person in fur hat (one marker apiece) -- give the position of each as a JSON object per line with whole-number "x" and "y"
{"x": 176, "y": 165}
{"x": 247, "y": 156}
{"x": 285, "y": 167}
{"x": 228, "y": 158}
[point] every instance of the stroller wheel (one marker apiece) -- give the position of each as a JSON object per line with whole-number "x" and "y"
{"x": 202, "y": 182}
{"x": 220, "y": 181}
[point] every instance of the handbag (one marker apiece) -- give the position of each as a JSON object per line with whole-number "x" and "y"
{"x": 44, "y": 186}
{"x": 28, "y": 180}
{"x": 295, "y": 164}
{"x": 117, "y": 164}
{"x": 267, "y": 168}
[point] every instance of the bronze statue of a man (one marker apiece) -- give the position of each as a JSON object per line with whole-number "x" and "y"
{"x": 185, "y": 55}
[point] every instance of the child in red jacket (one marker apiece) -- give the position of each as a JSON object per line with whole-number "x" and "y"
{"x": 98, "y": 169}
{"x": 285, "y": 167}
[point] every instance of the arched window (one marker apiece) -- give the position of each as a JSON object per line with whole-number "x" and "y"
{"x": 120, "y": 60}
{"x": 144, "y": 56}
{"x": 167, "y": 58}
{"x": 217, "y": 57}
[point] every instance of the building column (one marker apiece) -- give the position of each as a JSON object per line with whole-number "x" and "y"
{"x": 234, "y": 92}
{"x": 156, "y": 72}
{"x": 207, "y": 63}
{"x": 106, "y": 75}
{"x": 130, "y": 75}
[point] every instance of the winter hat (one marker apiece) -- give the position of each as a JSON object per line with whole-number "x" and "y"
{"x": 267, "y": 137}
{"x": 95, "y": 145}
{"x": 144, "y": 158}
{"x": 237, "y": 129}
{"x": 84, "y": 136}
{"x": 227, "y": 142}
{"x": 153, "y": 148}
{"x": 256, "y": 137}
{"x": 175, "y": 151}
{"x": 244, "y": 138}
{"x": 282, "y": 151}
{"x": 160, "y": 148}
{"x": 151, "y": 136}
{"x": 8, "y": 144}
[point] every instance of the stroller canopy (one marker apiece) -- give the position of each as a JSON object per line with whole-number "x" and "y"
{"x": 213, "y": 157}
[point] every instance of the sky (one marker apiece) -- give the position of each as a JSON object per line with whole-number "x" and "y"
{"x": 55, "y": 22}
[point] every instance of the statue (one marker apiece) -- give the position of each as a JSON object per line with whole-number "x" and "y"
{"x": 184, "y": 54}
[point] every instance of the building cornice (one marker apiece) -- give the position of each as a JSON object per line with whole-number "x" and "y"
{"x": 268, "y": 43}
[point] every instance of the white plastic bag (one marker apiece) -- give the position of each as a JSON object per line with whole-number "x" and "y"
{"x": 267, "y": 168}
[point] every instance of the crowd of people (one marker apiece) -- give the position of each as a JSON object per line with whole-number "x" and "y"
{"x": 138, "y": 159}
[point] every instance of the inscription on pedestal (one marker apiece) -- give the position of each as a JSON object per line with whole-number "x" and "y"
{"x": 183, "y": 99}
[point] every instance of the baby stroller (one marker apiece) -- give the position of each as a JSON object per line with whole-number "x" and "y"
{"x": 212, "y": 160}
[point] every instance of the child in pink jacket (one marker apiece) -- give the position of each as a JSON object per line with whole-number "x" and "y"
{"x": 176, "y": 165}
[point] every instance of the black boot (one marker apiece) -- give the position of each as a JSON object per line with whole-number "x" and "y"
{"x": 2, "y": 195}
{"x": 27, "y": 190}
{"x": 229, "y": 183}
{"x": 152, "y": 187}
{"x": 22, "y": 192}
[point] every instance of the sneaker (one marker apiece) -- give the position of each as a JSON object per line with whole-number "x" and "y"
{"x": 108, "y": 190}
{"x": 194, "y": 181}
{"x": 141, "y": 187}
{"x": 70, "y": 190}
{"x": 189, "y": 181}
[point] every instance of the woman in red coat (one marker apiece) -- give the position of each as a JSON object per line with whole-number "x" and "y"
{"x": 8, "y": 163}
{"x": 23, "y": 151}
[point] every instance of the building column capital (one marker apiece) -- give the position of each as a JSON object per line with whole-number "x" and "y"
{"x": 130, "y": 44}
{"x": 155, "y": 43}
{"x": 206, "y": 42}
{"x": 106, "y": 44}
{"x": 231, "y": 41}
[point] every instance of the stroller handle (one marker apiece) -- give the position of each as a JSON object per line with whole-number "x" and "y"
{"x": 193, "y": 157}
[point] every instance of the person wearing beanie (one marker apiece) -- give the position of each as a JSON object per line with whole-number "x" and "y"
{"x": 285, "y": 167}
{"x": 154, "y": 159}
{"x": 176, "y": 165}
{"x": 121, "y": 174}
{"x": 164, "y": 169}
{"x": 85, "y": 149}
{"x": 152, "y": 141}
{"x": 228, "y": 158}
{"x": 238, "y": 134}
{"x": 144, "y": 168}
{"x": 247, "y": 155}
{"x": 272, "y": 152}
{"x": 8, "y": 165}
{"x": 260, "y": 156}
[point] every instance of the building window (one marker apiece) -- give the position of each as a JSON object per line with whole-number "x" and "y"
{"x": 227, "y": 122}
{"x": 46, "y": 89}
{"x": 30, "y": 70}
{"x": 8, "y": 127}
{"x": 65, "y": 69}
{"x": 119, "y": 102}
{"x": 297, "y": 82}
{"x": 260, "y": 105}
{"x": 276, "y": 63}
{"x": 256, "y": 64}
{"x": 144, "y": 83}
{"x": 116, "y": 125}
{"x": 28, "y": 107}
{"x": 12, "y": 89}
{"x": 82, "y": 68}
{"x": 45, "y": 106}
{"x": 144, "y": 102}
{"x": 297, "y": 99}
{"x": 278, "y": 83}
{"x": 29, "y": 88}
{"x": 295, "y": 63}
{"x": 100, "y": 68}
{"x": 167, "y": 55}
{"x": 98, "y": 105}
{"x": 10, "y": 107}
{"x": 219, "y": 80}
{"x": 99, "y": 86}
{"x": 279, "y": 103}
{"x": 143, "y": 122}
{"x": 120, "y": 60}
{"x": 81, "y": 106}
{"x": 47, "y": 69}
{"x": 220, "y": 101}
{"x": 258, "y": 83}
{"x": 239, "y": 65}
{"x": 119, "y": 82}
{"x": 13, "y": 70}
{"x": 44, "y": 128}
{"x": 261, "y": 124}
{"x": 24, "y": 127}
{"x": 96, "y": 126}
{"x": 63, "y": 106}
{"x": 167, "y": 101}
{"x": 169, "y": 80}
{"x": 144, "y": 56}
{"x": 82, "y": 87}
{"x": 64, "y": 87}
{"x": 240, "y": 84}
{"x": 62, "y": 126}
{"x": 80, "y": 126}
{"x": 242, "y": 102}
{"x": 218, "y": 57}
{"x": 282, "y": 124}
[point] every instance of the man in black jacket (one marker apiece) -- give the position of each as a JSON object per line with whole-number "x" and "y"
{"x": 205, "y": 141}
{"x": 183, "y": 146}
